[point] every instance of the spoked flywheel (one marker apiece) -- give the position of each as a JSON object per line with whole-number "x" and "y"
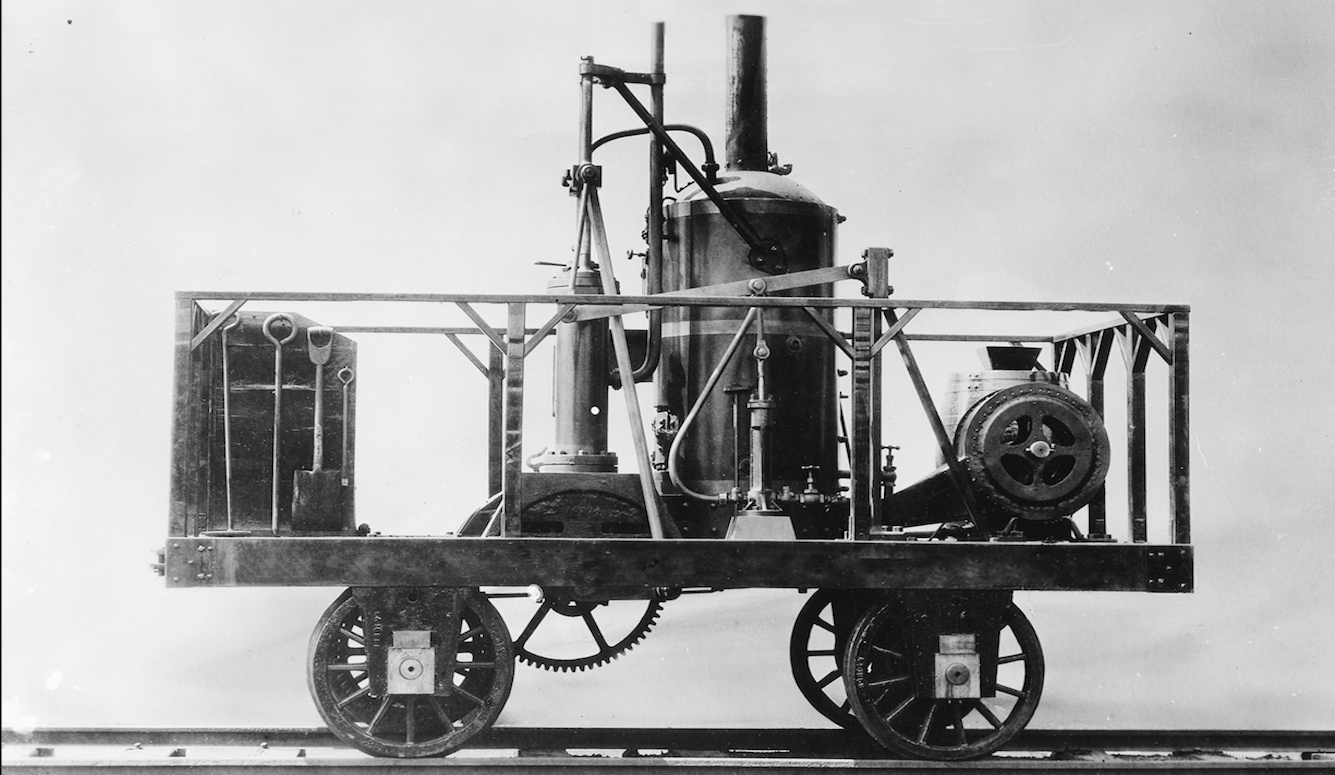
{"x": 885, "y": 689}
{"x": 816, "y": 653}
{"x": 583, "y": 642}
{"x": 474, "y": 668}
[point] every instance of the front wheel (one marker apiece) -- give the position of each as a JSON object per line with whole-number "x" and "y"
{"x": 410, "y": 725}
{"x": 883, "y": 690}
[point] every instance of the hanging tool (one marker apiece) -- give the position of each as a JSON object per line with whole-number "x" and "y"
{"x": 231, "y": 530}
{"x": 346, "y": 375}
{"x": 316, "y": 494}
{"x": 267, "y": 328}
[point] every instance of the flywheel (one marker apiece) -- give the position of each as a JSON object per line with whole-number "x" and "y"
{"x": 1035, "y": 451}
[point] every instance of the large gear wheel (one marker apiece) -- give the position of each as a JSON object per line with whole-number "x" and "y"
{"x": 604, "y": 650}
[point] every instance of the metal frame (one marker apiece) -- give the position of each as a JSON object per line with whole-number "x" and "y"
{"x": 866, "y": 559}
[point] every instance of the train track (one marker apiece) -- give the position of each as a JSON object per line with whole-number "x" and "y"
{"x": 109, "y": 751}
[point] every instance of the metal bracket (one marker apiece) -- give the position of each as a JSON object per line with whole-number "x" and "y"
{"x": 1169, "y": 569}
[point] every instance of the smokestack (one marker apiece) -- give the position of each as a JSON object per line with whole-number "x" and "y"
{"x": 747, "y": 115}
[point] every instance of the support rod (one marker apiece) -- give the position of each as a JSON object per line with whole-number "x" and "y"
{"x": 599, "y": 236}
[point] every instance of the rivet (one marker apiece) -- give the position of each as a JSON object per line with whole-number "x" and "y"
{"x": 176, "y": 578}
{"x": 199, "y": 576}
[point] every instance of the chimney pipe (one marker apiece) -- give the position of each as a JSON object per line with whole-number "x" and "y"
{"x": 747, "y": 114}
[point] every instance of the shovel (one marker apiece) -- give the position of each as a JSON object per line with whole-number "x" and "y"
{"x": 317, "y": 495}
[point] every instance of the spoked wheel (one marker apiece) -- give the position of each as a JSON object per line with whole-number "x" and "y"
{"x": 816, "y": 653}
{"x": 883, "y": 694}
{"x": 410, "y": 725}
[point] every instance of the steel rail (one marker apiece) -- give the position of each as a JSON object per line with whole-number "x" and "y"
{"x": 826, "y": 741}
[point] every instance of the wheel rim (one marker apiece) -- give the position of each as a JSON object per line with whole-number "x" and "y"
{"x": 409, "y": 725}
{"x": 816, "y": 653}
{"x": 883, "y": 696}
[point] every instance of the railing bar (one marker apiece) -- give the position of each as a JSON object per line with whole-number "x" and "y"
{"x": 896, "y": 326}
{"x": 467, "y": 353}
{"x": 216, "y": 323}
{"x": 682, "y": 301}
{"x": 546, "y": 329}
{"x": 1149, "y": 336}
{"x": 832, "y": 332}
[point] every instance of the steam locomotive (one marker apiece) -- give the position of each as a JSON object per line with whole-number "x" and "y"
{"x": 761, "y": 462}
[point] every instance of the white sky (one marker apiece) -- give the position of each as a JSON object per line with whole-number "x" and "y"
{"x": 1141, "y": 152}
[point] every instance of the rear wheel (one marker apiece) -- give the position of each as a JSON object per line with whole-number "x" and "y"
{"x": 816, "y": 653}
{"x": 884, "y": 695}
{"x": 410, "y": 725}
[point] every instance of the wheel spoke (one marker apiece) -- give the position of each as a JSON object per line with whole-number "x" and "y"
{"x": 352, "y": 636}
{"x": 822, "y": 653}
{"x": 379, "y": 714}
{"x": 1012, "y": 658}
{"x": 441, "y": 712}
{"x": 362, "y": 692}
{"x": 472, "y": 665}
{"x": 410, "y": 720}
{"x": 1012, "y": 692}
{"x": 957, "y": 718}
{"x": 987, "y": 713}
{"x": 824, "y": 625}
{"x": 885, "y": 650}
{"x": 468, "y": 635}
{"x": 467, "y": 695}
{"x": 354, "y": 667}
{"x": 898, "y": 679}
{"x": 900, "y": 708}
{"x": 828, "y": 679}
{"x": 927, "y": 724}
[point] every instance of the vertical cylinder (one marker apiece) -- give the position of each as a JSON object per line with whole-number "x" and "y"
{"x": 747, "y": 112}
{"x": 580, "y": 390}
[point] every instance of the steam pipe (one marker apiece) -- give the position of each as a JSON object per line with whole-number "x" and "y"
{"x": 711, "y": 164}
{"x": 747, "y": 109}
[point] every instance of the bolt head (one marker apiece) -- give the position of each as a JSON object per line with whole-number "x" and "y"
{"x": 957, "y": 674}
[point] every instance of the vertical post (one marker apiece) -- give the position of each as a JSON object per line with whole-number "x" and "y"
{"x": 185, "y": 426}
{"x": 514, "y": 421}
{"x": 746, "y": 117}
{"x": 874, "y": 432}
{"x": 1100, "y": 348}
{"x": 1179, "y": 429}
{"x": 495, "y": 419}
{"x": 863, "y": 457}
{"x": 654, "y": 231}
{"x": 586, "y": 115}
{"x": 1136, "y": 353}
